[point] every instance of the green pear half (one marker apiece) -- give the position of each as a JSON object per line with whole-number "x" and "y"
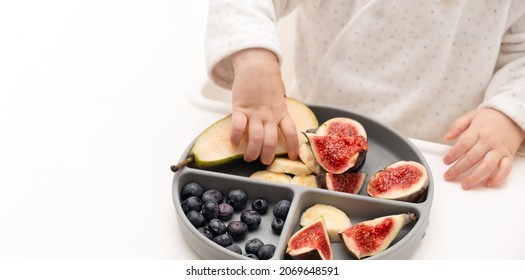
{"x": 212, "y": 147}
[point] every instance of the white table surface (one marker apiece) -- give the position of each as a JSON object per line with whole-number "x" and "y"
{"x": 94, "y": 110}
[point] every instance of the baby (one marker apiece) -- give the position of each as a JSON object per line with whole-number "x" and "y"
{"x": 434, "y": 70}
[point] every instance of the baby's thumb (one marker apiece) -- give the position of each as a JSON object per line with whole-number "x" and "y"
{"x": 459, "y": 126}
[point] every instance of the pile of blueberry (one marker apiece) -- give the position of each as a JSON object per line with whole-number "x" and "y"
{"x": 211, "y": 211}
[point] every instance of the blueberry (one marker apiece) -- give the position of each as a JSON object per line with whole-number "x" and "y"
{"x": 237, "y": 198}
{"x": 281, "y": 208}
{"x": 225, "y": 211}
{"x": 210, "y": 210}
{"x": 235, "y": 248}
{"x": 237, "y": 229}
{"x": 277, "y": 225}
{"x": 216, "y": 227}
{"x": 192, "y": 189}
{"x": 252, "y": 256}
{"x": 253, "y": 245}
{"x": 191, "y": 203}
{"x": 251, "y": 218}
{"x": 260, "y": 205}
{"x": 223, "y": 240}
{"x": 266, "y": 252}
{"x": 212, "y": 195}
{"x": 206, "y": 232}
{"x": 196, "y": 219}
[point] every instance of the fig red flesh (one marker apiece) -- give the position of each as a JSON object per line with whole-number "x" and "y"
{"x": 348, "y": 182}
{"x": 311, "y": 241}
{"x": 402, "y": 180}
{"x": 342, "y": 126}
{"x": 397, "y": 178}
{"x": 337, "y": 154}
{"x": 371, "y": 237}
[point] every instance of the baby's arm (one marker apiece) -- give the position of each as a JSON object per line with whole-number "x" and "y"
{"x": 242, "y": 54}
{"x": 259, "y": 106}
{"x": 487, "y": 141}
{"x": 489, "y": 137}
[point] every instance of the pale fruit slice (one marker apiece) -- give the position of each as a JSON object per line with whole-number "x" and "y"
{"x": 271, "y": 176}
{"x": 372, "y": 237}
{"x": 288, "y": 166}
{"x": 212, "y": 147}
{"x": 307, "y": 157}
{"x": 335, "y": 219}
{"x": 306, "y": 181}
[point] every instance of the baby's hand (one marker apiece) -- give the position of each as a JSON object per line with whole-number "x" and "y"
{"x": 487, "y": 141}
{"x": 259, "y": 106}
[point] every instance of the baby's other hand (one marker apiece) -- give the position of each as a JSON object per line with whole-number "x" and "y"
{"x": 487, "y": 141}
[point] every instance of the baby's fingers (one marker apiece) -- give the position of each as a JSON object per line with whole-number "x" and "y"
{"x": 269, "y": 145}
{"x": 255, "y": 140}
{"x": 459, "y": 126}
{"x": 467, "y": 160}
{"x": 504, "y": 168}
{"x": 290, "y": 135}
{"x": 482, "y": 171}
{"x": 465, "y": 142}
{"x": 238, "y": 125}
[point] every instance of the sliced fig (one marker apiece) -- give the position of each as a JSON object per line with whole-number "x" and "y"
{"x": 402, "y": 180}
{"x": 338, "y": 153}
{"x": 307, "y": 157}
{"x": 372, "y": 237}
{"x": 311, "y": 242}
{"x": 348, "y": 182}
{"x": 335, "y": 219}
{"x": 341, "y": 126}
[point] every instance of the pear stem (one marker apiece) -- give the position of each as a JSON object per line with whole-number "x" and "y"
{"x": 181, "y": 164}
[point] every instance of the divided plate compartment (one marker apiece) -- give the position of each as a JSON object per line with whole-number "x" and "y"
{"x": 386, "y": 146}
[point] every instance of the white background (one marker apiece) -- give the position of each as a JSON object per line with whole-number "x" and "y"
{"x": 94, "y": 109}
{"x": 92, "y": 114}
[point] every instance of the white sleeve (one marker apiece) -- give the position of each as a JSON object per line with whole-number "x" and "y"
{"x": 235, "y": 25}
{"x": 506, "y": 91}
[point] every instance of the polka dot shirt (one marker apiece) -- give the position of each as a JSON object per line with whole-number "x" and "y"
{"x": 414, "y": 65}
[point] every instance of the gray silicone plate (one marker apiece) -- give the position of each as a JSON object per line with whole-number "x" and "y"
{"x": 385, "y": 147}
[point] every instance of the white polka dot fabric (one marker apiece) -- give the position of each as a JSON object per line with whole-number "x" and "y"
{"x": 415, "y": 65}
